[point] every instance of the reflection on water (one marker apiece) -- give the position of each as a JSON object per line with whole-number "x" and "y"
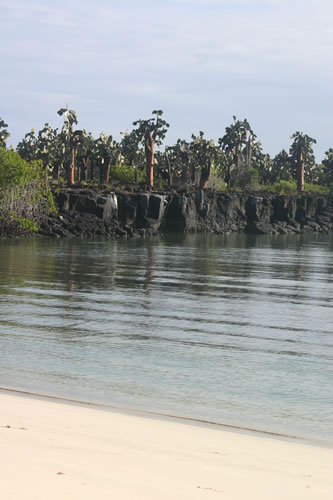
{"x": 235, "y": 329}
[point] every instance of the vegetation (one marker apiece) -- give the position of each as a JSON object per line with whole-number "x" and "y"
{"x": 25, "y": 198}
{"x": 238, "y": 144}
{"x": 4, "y": 134}
{"x": 301, "y": 154}
{"x": 235, "y": 161}
{"x": 151, "y": 133}
{"x": 326, "y": 172}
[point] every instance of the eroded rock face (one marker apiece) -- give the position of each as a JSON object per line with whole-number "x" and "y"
{"x": 156, "y": 207}
{"x": 88, "y": 213}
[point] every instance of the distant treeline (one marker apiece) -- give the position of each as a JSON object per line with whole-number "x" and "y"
{"x": 235, "y": 161}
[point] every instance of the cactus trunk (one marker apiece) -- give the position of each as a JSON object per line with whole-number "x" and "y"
{"x": 300, "y": 173}
{"x": 71, "y": 170}
{"x": 150, "y": 143}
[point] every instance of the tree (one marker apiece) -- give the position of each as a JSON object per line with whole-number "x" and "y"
{"x": 105, "y": 150}
{"x": 133, "y": 155}
{"x": 151, "y": 133}
{"x": 328, "y": 163}
{"x": 61, "y": 157}
{"x": 70, "y": 141}
{"x": 184, "y": 160}
{"x": 263, "y": 164}
{"x": 27, "y": 148}
{"x": 175, "y": 161}
{"x": 84, "y": 154}
{"x": 282, "y": 167}
{"x": 4, "y": 134}
{"x": 204, "y": 154}
{"x": 237, "y": 142}
{"x": 46, "y": 148}
{"x": 302, "y": 155}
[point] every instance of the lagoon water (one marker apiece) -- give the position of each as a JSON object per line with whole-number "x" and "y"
{"x": 235, "y": 329}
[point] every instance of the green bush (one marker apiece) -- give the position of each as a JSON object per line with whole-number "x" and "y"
{"x": 290, "y": 187}
{"x": 25, "y": 198}
{"x": 255, "y": 179}
{"x": 125, "y": 174}
{"x": 215, "y": 182}
{"x": 240, "y": 177}
{"x": 317, "y": 189}
{"x": 245, "y": 177}
{"x": 281, "y": 187}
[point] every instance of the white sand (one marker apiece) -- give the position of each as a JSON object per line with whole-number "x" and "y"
{"x": 59, "y": 451}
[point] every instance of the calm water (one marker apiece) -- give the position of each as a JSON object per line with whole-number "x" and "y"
{"x": 235, "y": 329}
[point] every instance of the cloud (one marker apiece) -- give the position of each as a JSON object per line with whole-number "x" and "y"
{"x": 258, "y": 56}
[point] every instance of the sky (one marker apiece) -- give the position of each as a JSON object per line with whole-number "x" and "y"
{"x": 200, "y": 61}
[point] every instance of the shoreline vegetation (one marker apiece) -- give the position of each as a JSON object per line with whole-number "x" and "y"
{"x": 87, "y": 452}
{"x": 50, "y": 160}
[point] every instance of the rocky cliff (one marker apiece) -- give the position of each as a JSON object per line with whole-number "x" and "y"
{"x": 89, "y": 213}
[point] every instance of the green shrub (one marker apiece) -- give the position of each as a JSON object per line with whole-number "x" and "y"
{"x": 245, "y": 178}
{"x": 317, "y": 189}
{"x": 240, "y": 177}
{"x": 215, "y": 182}
{"x": 255, "y": 179}
{"x": 24, "y": 223}
{"x": 290, "y": 187}
{"x": 281, "y": 187}
{"x": 125, "y": 174}
{"x": 25, "y": 198}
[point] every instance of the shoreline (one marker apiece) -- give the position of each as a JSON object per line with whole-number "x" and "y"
{"x": 124, "y": 410}
{"x": 53, "y": 449}
{"x": 84, "y": 212}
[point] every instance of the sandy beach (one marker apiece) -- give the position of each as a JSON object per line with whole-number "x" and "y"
{"x": 54, "y": 450}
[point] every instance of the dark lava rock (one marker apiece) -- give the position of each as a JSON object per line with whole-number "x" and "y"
{"x": 84, "y": 212}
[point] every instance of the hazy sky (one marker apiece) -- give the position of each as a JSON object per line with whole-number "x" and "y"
{"x": 201, "y": 61}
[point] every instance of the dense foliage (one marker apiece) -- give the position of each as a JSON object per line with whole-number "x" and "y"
{"x": 25, "y": 198}
{"x": 235, "y": 161}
